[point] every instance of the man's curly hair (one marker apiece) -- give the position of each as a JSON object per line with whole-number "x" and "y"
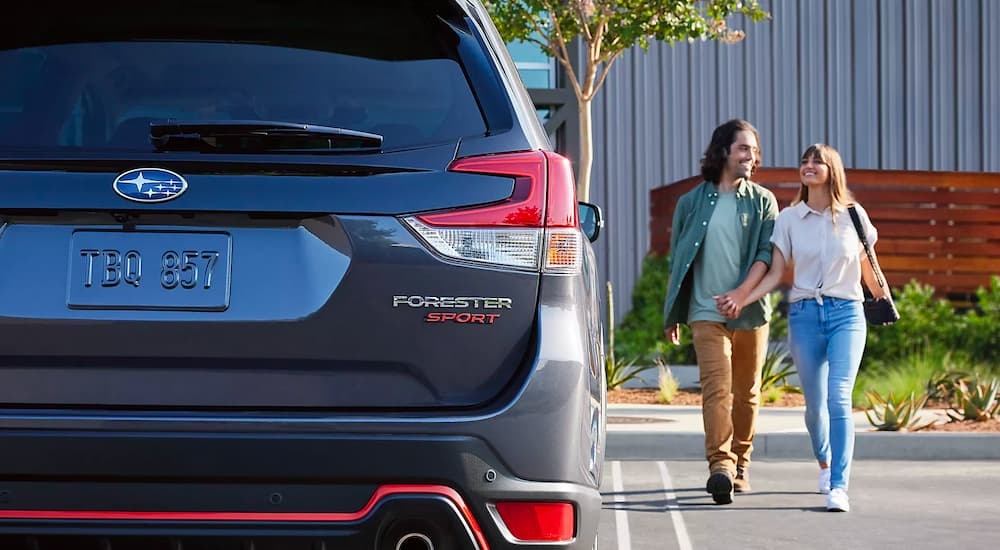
{"x": 718, "y": 149}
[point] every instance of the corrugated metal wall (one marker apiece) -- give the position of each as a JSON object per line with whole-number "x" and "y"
{"x": 894, "y": 84}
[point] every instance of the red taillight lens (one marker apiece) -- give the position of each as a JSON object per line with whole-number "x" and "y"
{"x": 544, "y": 189}
{"x": 561, "y": 211}
{"x": 524, "y": 208}
{"x": 538, "y": 521}
{"x": 535, "y": 228}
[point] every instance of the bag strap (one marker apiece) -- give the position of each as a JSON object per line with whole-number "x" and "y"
{"x": 864, "y": 241}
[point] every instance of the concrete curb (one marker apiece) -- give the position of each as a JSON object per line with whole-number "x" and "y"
{"x": 675, "y": 433}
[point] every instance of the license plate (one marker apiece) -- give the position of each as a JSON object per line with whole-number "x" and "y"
{"x": 149, "y": 270}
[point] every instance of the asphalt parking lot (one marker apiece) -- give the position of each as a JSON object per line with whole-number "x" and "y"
{"x": 662, "y": 505}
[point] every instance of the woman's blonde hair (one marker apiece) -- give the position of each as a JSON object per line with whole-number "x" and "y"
{"x": 839, "y": 193}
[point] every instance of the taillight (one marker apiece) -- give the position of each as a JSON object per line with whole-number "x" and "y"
{"x": 535, "y": 522}
{"x": 536, "y": 228}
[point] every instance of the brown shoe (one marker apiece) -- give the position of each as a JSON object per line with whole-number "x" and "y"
{"x": 720, "y": 485}
{"x": 741, "y": 484}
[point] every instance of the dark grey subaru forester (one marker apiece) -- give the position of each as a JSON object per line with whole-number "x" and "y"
{"x": 289, "y": 274}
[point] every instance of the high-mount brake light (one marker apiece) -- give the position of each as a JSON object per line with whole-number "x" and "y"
{"x": 536, "y": 228}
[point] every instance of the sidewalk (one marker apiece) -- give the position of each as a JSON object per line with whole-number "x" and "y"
{"x": 670, "y": 432}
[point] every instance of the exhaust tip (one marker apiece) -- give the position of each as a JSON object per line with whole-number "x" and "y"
{"x": 414, "y": 541}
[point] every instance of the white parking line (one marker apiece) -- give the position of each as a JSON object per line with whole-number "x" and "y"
{"x": 683, "y": 541}
{"x": 621, "y": 516}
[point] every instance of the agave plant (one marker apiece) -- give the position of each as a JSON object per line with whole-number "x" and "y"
{"x": 978, "y": 402}
{"x": 895, "y": 414}
{"x": 944, "y": 386}
{"x": 777, "y": 368}
{"x": 620, "y": 371}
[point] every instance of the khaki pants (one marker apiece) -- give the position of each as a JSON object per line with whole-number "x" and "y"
{"x": 729, "y": 368}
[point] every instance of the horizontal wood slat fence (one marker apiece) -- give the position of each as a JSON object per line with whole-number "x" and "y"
{"x": 939, "y": 228}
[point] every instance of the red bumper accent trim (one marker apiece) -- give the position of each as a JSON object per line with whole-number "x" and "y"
{"x": 318, "y": 517}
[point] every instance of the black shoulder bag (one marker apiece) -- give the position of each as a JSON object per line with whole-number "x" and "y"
{"x": 880, "y": 310}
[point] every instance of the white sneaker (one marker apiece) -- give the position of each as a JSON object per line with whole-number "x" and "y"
{"x": 824, "y": 481}
{"x": 837, "y": 501}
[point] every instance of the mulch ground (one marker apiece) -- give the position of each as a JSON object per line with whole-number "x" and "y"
{"x": 649, "y": 396}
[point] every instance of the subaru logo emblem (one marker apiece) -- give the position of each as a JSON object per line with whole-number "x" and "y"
{"x": 150, "y": 185}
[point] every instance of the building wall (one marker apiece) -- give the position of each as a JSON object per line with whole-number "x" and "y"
{"x": 893, "y": 84}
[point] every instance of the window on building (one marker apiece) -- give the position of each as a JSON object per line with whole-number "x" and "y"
{"x": 537, "y": 70}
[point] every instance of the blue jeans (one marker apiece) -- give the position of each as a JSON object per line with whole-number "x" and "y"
{"x": 826, "y": 342}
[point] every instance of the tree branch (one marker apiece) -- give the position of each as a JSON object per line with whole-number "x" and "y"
{"x": 605, "y": 70}
{"x": 546, "y": 43}
{"x": 594, "y": 55}
{"x": 563, "y": 52}
{"x": 564, "y": 60}
{"x": 583, "y": 19}
{"x": 598, "y": 42}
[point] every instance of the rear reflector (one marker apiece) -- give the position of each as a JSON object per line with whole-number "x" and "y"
{"x": 528, "y": 522}
{"x": 536, "y": 228}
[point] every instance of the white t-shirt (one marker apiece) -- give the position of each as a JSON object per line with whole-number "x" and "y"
{"x": 826, "y": 257}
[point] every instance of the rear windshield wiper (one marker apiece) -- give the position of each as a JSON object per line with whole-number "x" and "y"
{"x": 258, "y": 136}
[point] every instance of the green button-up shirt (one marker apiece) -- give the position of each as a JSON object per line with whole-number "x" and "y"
{"x": 757, "y": 209}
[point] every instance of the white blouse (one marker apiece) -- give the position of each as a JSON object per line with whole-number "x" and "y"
{"x": 826, "y": 257}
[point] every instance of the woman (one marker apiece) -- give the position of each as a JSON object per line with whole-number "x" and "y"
{"x": 826, "y": 322}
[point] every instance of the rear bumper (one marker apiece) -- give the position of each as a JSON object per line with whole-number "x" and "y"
{"x": 179, "y": 491}
{"x": 436, "y": 515}
{"x": 180, "y": 480}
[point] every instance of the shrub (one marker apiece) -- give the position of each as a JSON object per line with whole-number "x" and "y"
{"x": 925, "y": 321}
{"x": 618, "y": 371}
{"x": 778, "y": 329}
{"x": 980, "y": 334}
{"x": 640, "y": 334}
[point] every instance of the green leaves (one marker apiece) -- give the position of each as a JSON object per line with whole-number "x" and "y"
{"x": 608, "y": 28}
{"x": 928, "y": 321}
{"x": 518, "y": 19}
{"x": 618, "y": 371}
{"x": 640, "y": 334}
{"x": 613, "y": 26}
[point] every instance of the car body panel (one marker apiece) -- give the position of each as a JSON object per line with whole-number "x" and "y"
{"x": 297, "y": 346}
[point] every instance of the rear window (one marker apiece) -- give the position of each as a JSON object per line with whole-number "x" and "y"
{"x": 398, "y": 77}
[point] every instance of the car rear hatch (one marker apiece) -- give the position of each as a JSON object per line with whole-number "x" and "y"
{"x": 250, "y": 270}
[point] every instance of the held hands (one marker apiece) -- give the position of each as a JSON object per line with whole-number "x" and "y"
{"x": 730, "y": 304}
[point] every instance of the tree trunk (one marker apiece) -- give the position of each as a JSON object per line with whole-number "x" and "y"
{"x": 586, "y": 150}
